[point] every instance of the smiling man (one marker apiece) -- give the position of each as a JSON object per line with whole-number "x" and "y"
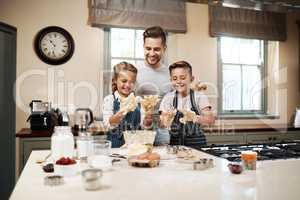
{"x": 153, "y": 77}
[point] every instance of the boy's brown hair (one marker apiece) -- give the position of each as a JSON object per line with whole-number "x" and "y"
{"x": 181, "y": 64}
{"x": 122, "y": 66}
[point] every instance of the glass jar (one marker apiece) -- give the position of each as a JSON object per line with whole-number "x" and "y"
{"x": 62, "y": 143}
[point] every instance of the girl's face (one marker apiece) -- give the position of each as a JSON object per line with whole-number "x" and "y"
{"x": 181, "y": 80}
{"x": 125, "y": 82}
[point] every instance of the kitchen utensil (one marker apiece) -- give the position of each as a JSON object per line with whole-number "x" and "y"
{"x": 83, "y": 118}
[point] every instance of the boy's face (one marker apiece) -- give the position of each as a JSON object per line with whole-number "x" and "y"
{"x": 153, "y": 51}
{"x": 125, "y": 82}
{"x": 181, "y": 80}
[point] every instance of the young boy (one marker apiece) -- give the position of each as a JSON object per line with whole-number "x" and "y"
{"x": 188, "y": 104}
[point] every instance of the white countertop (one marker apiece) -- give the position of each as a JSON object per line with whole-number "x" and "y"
{"x": 278, "y": 179}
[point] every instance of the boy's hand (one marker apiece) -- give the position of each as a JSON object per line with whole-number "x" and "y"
{"x": 167, "y": 117}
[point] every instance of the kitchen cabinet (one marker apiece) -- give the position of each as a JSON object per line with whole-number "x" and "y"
{"x": 291, "y": 135}
{"x": 8, "y": 41}
{"x": 217, "y": 138}
{"x": 264, "y": 137}
{"x": 27, "y": 145}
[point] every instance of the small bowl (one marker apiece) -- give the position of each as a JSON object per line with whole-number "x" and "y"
{"x": 91, "y": 178}
{"x": 66, "y": 170}
{"x": 235, "y": 168}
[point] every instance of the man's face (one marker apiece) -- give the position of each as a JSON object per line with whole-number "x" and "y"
{"x": 153, "y": 51}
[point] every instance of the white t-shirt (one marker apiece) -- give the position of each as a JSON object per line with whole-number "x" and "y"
{"x": 184, "y": 103}
{"x": 153, "y": 81}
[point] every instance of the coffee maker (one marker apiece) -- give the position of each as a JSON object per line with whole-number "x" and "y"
{"x": 83, "y": 118}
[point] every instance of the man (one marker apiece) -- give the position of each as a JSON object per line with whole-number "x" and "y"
{"x": 153, "y": 75}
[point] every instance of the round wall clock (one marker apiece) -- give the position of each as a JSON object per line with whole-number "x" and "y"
{"x": 54, "y": 45}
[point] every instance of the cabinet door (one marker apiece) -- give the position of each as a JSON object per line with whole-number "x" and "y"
{"x": 7, "y": 109}
{"x": 27, "y": 145}
{"x": 216, "y": 138}
{"x": 264, "y": 137}
{"x": 291, "y": 135}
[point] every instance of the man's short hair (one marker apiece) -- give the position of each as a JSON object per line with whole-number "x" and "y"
{"x": 155, "y": 32}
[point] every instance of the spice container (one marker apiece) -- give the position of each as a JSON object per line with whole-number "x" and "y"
{"x": 91, "y": 179}
{"x": 53, "y": 180}
{"x": 203, "y": 164}
{"x": 249, "y": 159}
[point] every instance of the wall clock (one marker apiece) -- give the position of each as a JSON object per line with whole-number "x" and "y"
{"x": 54, "y": 45}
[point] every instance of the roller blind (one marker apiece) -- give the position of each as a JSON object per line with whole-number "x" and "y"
{"x": 245, "y": 23}
{"x": 169, "y": 14}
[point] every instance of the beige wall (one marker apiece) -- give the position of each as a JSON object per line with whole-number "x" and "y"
{"x": 81, "y": 74}
{"x": 84, "y": 69}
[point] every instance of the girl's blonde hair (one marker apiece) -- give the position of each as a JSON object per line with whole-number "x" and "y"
{"x": 122, "y": 66}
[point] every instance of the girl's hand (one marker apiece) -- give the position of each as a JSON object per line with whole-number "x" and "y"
{"x": 116, "y": 118}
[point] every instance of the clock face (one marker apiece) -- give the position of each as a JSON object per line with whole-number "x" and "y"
{"x": 54, "y": 45}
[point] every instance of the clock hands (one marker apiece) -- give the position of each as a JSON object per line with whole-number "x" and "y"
{"x": 52, "y": 43}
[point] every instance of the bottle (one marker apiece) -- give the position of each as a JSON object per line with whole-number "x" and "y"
{"x": 62, "y": 143}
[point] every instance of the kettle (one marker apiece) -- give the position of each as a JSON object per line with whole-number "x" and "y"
{"x": 83, "y": 118}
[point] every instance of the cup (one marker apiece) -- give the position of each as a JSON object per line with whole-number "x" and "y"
{"x": 84, "y": 146}
{"x": 101, "y": 147}
{"x": 91, "y": 178}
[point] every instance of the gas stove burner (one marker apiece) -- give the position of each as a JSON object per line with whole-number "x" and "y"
{"x": 264, "y": 151}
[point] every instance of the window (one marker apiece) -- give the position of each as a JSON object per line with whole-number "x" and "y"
{"x": 241, "y": 69}
{"x": 126, "y": 45}
{"x": 120, "y": 45}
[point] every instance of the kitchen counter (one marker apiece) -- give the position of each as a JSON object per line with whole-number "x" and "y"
{"x": 278, "y": 179}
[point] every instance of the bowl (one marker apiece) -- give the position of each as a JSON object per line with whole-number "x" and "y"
{"x": 235, "y": 168}
{"x": 139, "y": 137}
{"x": 66, "y": 170}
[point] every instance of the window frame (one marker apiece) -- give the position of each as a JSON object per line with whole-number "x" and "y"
{"x": 263, "y": 73}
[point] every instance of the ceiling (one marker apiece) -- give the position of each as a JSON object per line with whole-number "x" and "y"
{"x": 266, "y": 5}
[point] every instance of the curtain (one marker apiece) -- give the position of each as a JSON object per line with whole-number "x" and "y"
{"x": 169, "y": 14}
{"x": 245, "y": 23}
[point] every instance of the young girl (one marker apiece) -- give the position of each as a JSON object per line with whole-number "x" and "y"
{"x": 185, "y": 100}
{"x": 123, "y": 82}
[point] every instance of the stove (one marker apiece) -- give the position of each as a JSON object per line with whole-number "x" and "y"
{"x": 264, "y": 151}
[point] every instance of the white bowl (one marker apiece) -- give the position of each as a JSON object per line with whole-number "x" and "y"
{"x": 139, "y": 137}
{"x": 66, "y": 170}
